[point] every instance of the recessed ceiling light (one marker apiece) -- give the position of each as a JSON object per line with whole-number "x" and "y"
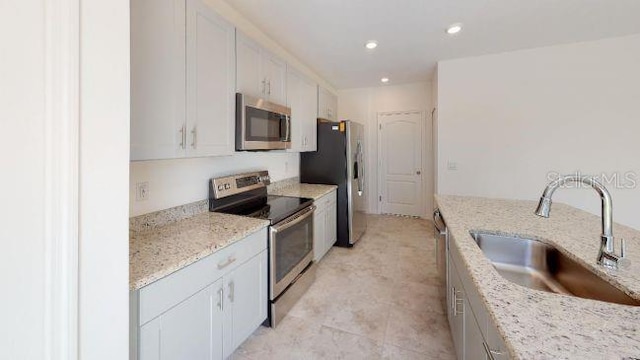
{"x": 385, "y": 80}
{"x": 371, "y": 44}
{"x": 454, "y": 28}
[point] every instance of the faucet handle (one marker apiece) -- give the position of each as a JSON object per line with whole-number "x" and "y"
{"x": 623, "y": 262}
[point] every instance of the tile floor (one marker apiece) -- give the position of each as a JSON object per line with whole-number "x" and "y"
{"x": 377, "y": 300}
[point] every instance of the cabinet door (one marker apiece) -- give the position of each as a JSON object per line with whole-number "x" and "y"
{"x": 247, "y": 299}
{"x": 190, "y": 330}
{"x": 302, "y": 99}
{"x": 327, "y": 104}
{"x": 495, "y": 344}
{"x": 332, "y": 224}
{"x": 211, "y": 71}
{"x": 275, "y": 71}
{"x": 295, "y": 102}
{"x": 473, "y": 340}
{"x": 456, "y": 310}
{"x": 319, "y": 233}
{"x": 249, "y": 79}
{"x": 158, "y": 112}
{"x": 323, "y": 103}
{"x": 333, "y": 107}
{"x": 308, "y": 93}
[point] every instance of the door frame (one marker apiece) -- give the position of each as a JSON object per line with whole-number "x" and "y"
{"x": 380, "y": 175}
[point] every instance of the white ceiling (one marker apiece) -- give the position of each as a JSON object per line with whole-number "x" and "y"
{"x": 329, "y": 35}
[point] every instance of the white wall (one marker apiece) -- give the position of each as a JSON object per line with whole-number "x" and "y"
{"x": 22, "y": 152}
{"x": 177, "y": 182}
{"x": 104, "y": 160}
{"x": 509, "y": 119}
{"x": 181, "y": 181}
{"x": 363, "y": 104}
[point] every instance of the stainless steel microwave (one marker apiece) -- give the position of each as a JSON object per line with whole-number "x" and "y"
{"x": 261, "y": 125}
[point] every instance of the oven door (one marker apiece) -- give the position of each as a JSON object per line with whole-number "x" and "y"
{"x": 262, "y": 125}
{"x": 291, "y": 249}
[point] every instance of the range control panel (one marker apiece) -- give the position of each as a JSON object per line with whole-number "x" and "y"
{"x": 235, "y": 184}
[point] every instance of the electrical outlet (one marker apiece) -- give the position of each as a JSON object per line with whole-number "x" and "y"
{"x": 142, "y": 191}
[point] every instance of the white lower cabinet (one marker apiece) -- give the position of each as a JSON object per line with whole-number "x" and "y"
{"x": 319, "y": 233}
{"x": 176, "y": 318}
{"x": 473, "y": 340}
{"x": 245, "y": 301}
{"x": 191, "y": 330}
{"x": 324, "y": 225}
{"x": 456, "y": 310}
{"x": 475, "y": 336}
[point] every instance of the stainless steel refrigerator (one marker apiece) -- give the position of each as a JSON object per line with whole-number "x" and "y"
{"x": 340, "y": 161}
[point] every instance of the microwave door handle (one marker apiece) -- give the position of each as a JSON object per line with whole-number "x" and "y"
{"x": 287, "y": 136}
{"x": 283, "y": 127}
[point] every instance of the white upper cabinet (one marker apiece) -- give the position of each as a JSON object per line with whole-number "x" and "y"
{"x": 249, "y": 79}
{"x": 158, "y": 99}
{"x": 327, "y": 104}
{"x": 275, "y": 72}
{"x": 260, "y": 73}
{"x": 211, "y": 69}
{"x": 302, "y": 99}
{"x": 182, "y": 80}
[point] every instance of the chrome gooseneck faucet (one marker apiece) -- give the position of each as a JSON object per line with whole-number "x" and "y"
{"x": 606, "y": 256}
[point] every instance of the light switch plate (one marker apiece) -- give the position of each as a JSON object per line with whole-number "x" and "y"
{"x": 452, "y": 165}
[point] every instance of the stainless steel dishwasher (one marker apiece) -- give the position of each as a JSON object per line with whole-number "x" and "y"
{"x": 441, "y": 235}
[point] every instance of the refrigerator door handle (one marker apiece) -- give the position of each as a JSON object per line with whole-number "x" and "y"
{"x": 359, "y": 169}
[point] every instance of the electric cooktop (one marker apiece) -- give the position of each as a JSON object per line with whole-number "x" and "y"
{"x": 272, "y": 207}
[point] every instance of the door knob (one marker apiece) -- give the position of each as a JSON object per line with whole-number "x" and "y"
{"x": 418, "y": 172}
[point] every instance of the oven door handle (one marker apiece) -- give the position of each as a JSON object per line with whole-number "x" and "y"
{"x": 298, "y": 218}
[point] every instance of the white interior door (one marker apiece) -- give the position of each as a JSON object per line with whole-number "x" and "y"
{"x": 400, "y": 150}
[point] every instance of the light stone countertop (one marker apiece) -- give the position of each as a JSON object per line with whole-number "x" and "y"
{"x": 159, "y": 251}
{"x": 313, "y": 191}
{"x": 537, "y": 324}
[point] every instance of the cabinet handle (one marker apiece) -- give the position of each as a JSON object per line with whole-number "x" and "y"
{"x": 490, "y": 353}
{"x": 194, "y": 139}
{"x": 228, "y": 262}
{"x": 183, "y": 136}
{"x": 264, "y": 85}
{"x": 269, "y": 86}
{"x": 455, "y": 302}
{"x": 221, "y": 299}
{"x": 232, "y": 291}
{"x": 452, "y": 297}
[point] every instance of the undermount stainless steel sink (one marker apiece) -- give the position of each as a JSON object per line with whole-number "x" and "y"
{"x": 536, "y": 265}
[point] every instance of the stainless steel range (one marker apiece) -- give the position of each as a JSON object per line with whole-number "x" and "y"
{"x": 291, "y": 269}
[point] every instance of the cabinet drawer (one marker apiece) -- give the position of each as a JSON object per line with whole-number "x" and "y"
{"x": 169, "y": 291}
{"x": 326, "y": 200}
{"x": 333, "y": 197}
{"x": 322, "y": 203}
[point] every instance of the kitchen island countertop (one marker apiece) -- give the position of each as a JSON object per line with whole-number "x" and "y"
{"x": 537, "y": 324}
